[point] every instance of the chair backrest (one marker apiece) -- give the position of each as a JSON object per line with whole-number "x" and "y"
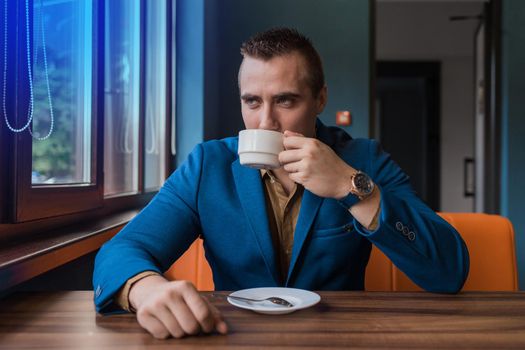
{"x": 193, "y": 266}
{"x": 490, "y": 241}
{"x": 489, "y": 238}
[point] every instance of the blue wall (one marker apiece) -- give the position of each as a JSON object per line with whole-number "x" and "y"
{"x": 513, "y": 124}
{"x": 210, "y": 32}
{"x": 338, "y": 29}
{"x": 190, "y": 76}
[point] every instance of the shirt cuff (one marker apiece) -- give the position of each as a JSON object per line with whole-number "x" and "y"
{"x": 375, "y": 220}
{"x": 122, "y": 298}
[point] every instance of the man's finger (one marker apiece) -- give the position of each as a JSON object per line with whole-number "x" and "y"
{"x": 289, "y": 156}
{"x": 184, "y": 316}
{"x": 200, "y": 309}
{"x": 294, "y": 142}
{"x": 220, "y": 325}
{"x": 293, "y": 167}
{"x": 292, "y": 133}
{"x": 168, "y": 320}
{"x": 296, "y": 177}
{"x": 153, "y": 325}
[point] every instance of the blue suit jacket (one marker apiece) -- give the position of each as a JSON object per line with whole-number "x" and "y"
{"x": 212, "y": 196}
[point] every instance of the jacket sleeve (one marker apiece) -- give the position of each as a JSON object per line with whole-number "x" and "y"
{"x": 419, "y": 242}
{"x": 155, "y": 238}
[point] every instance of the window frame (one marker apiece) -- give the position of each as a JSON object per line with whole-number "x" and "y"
{"x": 29, "y": 207}
{"x": 170, "y": 87}
{"x": 6, "y": 137}
{"x": 5, "y": 144}
{"x": 40, "y": 201}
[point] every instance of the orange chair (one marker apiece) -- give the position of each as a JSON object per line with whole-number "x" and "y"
{"x": 192, "y": 266}
{"x": 489, "y": 238}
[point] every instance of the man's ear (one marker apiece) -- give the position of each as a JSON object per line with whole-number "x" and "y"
{"x": 322, "y": 99}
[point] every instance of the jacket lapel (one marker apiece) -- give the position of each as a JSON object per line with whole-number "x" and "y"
{"x": 309, "y": 206}
{"x": 250, "y": 190}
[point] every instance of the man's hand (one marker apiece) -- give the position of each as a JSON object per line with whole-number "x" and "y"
{"x": 314, "y": 165}
{"x": 174, "y": 308}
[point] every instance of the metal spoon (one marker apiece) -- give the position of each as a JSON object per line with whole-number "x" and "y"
{"x": 274, "y": 300}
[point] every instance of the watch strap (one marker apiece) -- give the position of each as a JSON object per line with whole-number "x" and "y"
{"x": 348, "y": 201}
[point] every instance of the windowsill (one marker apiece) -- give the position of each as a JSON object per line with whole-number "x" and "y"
{"x": 21, "y": 260}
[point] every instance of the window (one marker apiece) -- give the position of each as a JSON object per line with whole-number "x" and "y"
{"x": 62, "y": 60}
{"x": 51, "y": 109}
{"x": 122, "y": 96}
{"x": 89, "y": 110}
{"x": 156, "y": 97}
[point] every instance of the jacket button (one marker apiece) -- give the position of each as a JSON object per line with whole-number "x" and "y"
{"x": 405, "y": 231}
{"x": 411, "y": 235}
{"x": 399, "y": 226}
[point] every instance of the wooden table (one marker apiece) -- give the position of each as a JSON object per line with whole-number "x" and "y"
{"x": 67, "y": 320}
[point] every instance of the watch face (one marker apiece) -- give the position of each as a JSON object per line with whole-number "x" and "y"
{"x": 362, "y": 183}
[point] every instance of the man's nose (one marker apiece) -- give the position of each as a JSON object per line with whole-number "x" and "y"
{"x": 267, "y": 119}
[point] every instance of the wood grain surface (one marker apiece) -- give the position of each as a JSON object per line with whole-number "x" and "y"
{"x": 471, "y": 320}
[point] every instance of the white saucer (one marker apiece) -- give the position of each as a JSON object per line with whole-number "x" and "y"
{"x": 300, "y": 299}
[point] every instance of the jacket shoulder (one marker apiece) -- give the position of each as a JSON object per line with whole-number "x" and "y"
{"x": 225, "y": 149}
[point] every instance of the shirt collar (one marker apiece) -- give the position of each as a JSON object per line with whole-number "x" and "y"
{"x": 268, "y": 173}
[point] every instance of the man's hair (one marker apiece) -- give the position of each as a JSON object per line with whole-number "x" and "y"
{"x": 281, "y": 41}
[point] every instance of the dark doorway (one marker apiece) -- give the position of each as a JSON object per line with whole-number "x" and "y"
{"x": 408, "y": 121}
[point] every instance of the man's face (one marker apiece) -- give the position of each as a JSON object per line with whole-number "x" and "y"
{"x": 275, "y": 95}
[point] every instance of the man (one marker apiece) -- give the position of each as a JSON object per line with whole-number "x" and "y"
{"x": 309, "y": 224}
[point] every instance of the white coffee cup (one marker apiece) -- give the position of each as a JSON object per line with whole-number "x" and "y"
{"x": 259, "y": 148}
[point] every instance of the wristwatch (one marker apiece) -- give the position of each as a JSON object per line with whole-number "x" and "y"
{"x": 361, "y": 185}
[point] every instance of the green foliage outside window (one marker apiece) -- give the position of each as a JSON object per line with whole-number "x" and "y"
{"x": 54, "y": 157}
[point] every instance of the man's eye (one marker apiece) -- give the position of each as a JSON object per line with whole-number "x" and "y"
{"x": 285, "y": 101}
{"x": 251, "y": 102}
